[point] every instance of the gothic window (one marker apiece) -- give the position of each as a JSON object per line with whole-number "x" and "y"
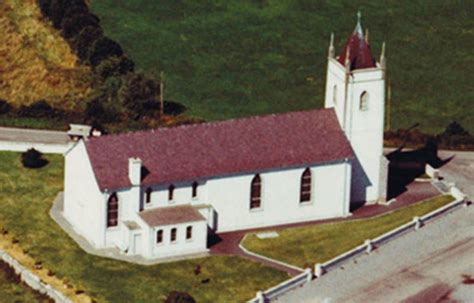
{"x": 256, "y": 192}
{"x": 195, "y": 190}
{"x": 148, "y": 195}
{"x": 305, "y": 189}
{"x": 159, "y": 236}
{"x": 364, "y": 101}
{"x": 112, "y": 210}
{"x": 334, "y": 95}
{"x": 171, "y": 192}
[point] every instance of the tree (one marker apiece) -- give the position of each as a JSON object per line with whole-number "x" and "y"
{"x": 33, "y": 159}
{"x": 179, "y": 297}
{"x": 138, "y": 93}
{"x": 71, "y": 26}
{"x": 114, "y": 67}
{"x": 455, "y": 129}
{"x": 5, "y": 107}
{"x": 102, "y": 48}
{"x": 82, "y": 42}
{"x": 39, "y": 109}
{"x": 44, "y": 6}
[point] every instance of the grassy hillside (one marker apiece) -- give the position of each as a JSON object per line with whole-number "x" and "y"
{"x": 232, "y": 58}
{"x": 37, "y": 63}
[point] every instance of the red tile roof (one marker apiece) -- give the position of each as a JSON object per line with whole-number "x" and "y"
{"x": 199, "y": 151}
{"x": 171, "y": 215}
{"x": 360, "y": 55}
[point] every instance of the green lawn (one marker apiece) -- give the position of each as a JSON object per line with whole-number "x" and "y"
{"x": 25, "y": 200}
{"x": 12, "y": 290}
{"x": 233, "y": 58}
{"x": 306, "y": 246}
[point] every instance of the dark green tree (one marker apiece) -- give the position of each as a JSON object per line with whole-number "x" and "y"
{"x": 83, "y": 42}
{"x": 102, "y": 48}
{"x": 71, "y": 26}
{"x": 138, "y": 94}
{"x": 114, "y": 67}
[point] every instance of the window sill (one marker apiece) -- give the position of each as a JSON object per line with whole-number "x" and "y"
{"x": 256, "y": 210}
{"x": 306, "y": 203}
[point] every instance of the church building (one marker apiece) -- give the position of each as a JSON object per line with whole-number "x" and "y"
{"x": 160, "y": 193}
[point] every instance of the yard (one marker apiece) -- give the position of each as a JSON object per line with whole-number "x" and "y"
{"x": 227, "y": 59}
{"x": 13, "y": 291}
{"x": 25, "y": 200}
{"x": 305, "y": 246}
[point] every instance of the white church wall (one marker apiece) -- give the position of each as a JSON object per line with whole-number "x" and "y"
{"x": 230, "y": 197}
{"x": 83, "y": 201}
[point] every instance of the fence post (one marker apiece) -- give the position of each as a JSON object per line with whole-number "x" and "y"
{"x": 418, "y": 222}
{"x": 260, "y": 297}
{"x": 318, "y": 270}
{"x": 369, "y": 245}
{"x": 309, "y": 275}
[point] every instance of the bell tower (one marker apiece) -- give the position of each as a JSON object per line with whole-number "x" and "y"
{"x": 355, "y": 88}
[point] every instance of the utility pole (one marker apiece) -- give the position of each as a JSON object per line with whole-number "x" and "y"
{"x": 162, "y": 101}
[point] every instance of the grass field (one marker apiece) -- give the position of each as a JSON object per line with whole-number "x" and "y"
{"x": 306, "y": 246}
{"x": 11, "y": 290}
{"x": 226, "y": 59}
{"x": 25, "y": 200}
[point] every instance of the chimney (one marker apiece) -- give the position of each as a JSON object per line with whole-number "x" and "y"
{"x": 135, "y": 170}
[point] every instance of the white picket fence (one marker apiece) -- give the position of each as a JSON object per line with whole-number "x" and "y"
{"x": 33, "y": 280}
{"x": 366, "y": 247}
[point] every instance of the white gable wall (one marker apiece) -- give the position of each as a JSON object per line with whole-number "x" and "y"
{"x": 84, "y": 203}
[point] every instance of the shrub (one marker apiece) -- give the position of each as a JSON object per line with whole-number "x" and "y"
{"x": 39, "y": 109}
{"x": 114, "y": 66}
{"x": 5, "y": 107}
{"x": 179, "y": 297}
{"x": 455, "y": 129}
{"x": 82, "y": 42}
{"x": 98, "y": 112}
{"x": 33, "y": 159}
{"x": 73, "y": 25}
{"x": 103, "y": 48}
{"x": 137, "y": 94}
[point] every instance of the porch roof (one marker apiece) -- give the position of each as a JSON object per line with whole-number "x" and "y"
{"x": 171, "y": 215}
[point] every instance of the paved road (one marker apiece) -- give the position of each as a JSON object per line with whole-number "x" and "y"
{"x": 434, "y": 264}
{"x": 460, "y": 170}
{"x": 33, "y": 135}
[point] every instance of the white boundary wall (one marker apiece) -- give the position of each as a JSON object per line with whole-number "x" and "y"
{"x": 33, "y": 280}
{"x": 47, "y": 148}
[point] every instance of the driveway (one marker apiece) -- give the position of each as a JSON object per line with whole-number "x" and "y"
{"x": 460, "y": 170}
{"x": 434, "y": 264}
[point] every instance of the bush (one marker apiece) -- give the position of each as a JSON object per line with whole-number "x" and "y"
{"x": 179, "y": 297}
{"x": 5, "y": 107}
{"x": 103, "y": 48}
{"x": 114, "y": 66}
{"x": 82, "y": 42}
{"x": 73, "y": 25}
{"x": 33, "y": 159}
{"x": 39, "y": 109}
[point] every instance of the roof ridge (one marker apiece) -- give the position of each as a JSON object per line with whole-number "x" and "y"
{"x": 208, "y": 123}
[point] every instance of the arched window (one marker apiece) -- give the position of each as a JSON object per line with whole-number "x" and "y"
{"x": 173, "y": 234}
{"x": 195, "y": 190}
{"x": 334, "y": 94}
{"x": 170, "y": 192}
{"x": 364, "y": 101}
{"x": 112, "y": 210}
{"x": 305, "y": 190}
{"x": 148, "y": 195}
{"x": 256, "y": 192}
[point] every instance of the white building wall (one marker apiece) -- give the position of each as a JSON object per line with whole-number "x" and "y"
{"x": 230, "y": 197}
{"x": 364, "y": 129}
{"x": 84, "y": 204}
{"x": 182, "y": 246}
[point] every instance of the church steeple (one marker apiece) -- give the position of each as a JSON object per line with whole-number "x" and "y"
{"x": 360, "y": 54}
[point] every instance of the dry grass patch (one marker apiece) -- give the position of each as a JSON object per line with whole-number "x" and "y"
{"x": 37, "y": 63}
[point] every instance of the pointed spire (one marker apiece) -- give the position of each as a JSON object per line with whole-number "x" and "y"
{"x": 358, "y": 28}
{"x": 347, "y": 62}
{"x": 383, "y": 61}
{"x": 331, "y": 46}
{"x": 367, "y": 35}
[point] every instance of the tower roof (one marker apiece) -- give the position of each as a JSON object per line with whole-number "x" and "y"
{"x": 358, "y": 50}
